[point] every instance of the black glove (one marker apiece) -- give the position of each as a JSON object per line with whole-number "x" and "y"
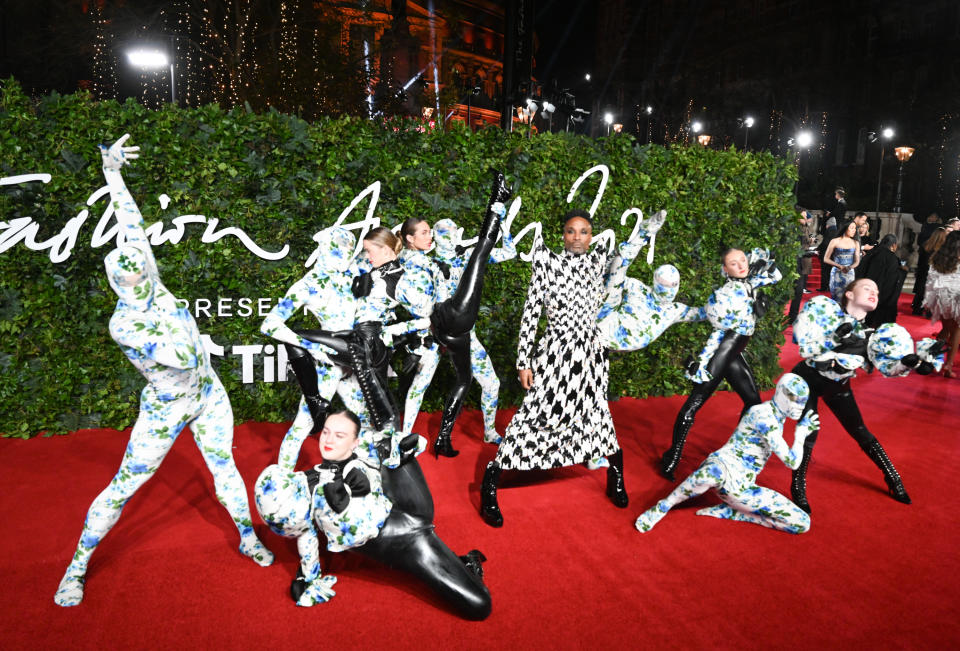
{"x": 913, "y": 361}
{"x": 756, "y": 267}
{"x": 938, "y": 349}
{"x": 362, "y": 285}
{"x": 500, "y": 191}
{"x": 444, "y": 268}
{"x": 760, "y": 304}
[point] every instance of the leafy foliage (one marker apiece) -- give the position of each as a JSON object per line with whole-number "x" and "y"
{"x": 281, "y": 179}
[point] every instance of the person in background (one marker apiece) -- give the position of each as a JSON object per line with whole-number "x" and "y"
{"x": 832, "y": 220}
{"x": 809, "y": 240}
{"x": 923, "y": 262}
{"x": 883, "y": 266}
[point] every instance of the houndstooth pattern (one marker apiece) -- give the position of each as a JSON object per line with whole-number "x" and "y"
{"x": 565, "y": 418}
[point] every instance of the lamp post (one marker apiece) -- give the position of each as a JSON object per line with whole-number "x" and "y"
{"x": 903, "y": 155}
{"x": 747, "y": 123}
{"x": 470, "y": 95}
{"x": 154, "y": 60}
{"x": 608, "y": 119}
{"x": 802, "y": 141}
{"x": 649, "y": 111}
{"x": 885, "y": 134}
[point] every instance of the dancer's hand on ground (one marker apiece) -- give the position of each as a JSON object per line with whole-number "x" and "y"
{"x": 525, "y": 375}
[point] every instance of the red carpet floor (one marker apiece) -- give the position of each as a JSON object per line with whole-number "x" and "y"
{"x": 567, "y": 570}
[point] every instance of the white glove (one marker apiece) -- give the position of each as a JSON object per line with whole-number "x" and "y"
{"x": 318, "y": 592}
{"x": 117, "y": 155}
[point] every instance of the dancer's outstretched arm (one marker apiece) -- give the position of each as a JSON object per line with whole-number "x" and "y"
{"x": 124, "y": 207}
{"x": 274, "y": 325}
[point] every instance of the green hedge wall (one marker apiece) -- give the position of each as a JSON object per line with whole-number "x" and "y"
{"x": 280, "y": 180}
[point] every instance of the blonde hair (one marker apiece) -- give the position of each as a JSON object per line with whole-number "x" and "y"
{"x": 384, "y": 237}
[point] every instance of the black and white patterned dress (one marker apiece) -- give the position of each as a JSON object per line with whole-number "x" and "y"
{"x": 565, "y": 418}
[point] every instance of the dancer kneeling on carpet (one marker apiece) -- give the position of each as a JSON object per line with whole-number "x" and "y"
{"x": 733, "y": 469}
{"x": 161, "y": 339}
{"x": 386, "y": 514}
{"x": 732, "y": 310}
{"x": 834, "y": 344}
{"x": 564, "y": 419}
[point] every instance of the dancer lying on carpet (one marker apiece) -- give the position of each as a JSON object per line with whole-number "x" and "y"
{"x": 325, "y": 292}
{"x": 564, "y": 419}
{"x": 732, "y": 310}
{"x": 834, "y": 344}
{"x": 733, "y": 469}
{"x": 452, "y": 261}
{"x": 161, "y": 339}
{"x": 390, "y": 284}
{"x": 386, "y": 514}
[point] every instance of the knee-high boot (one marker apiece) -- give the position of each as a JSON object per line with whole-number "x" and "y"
{"x": 616, "y": 490}
{"x": 306, "y": 374}
{"x": 879, "y": 456}
{"x": 443, "y": 445}
{"x": 671, "y": 458}
{"x": 798, "y": 482}
{"x": 489, "y": 509}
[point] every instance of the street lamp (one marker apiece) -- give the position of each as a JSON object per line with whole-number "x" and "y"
{"x": 903, "y": 155}
{"x": 153, "y": 60}
{"x": 885, "y": 134}
{"x": 747, "y": 123}
{"x": 649, "y": 111}
{"x": 608, "y": 119}
{"x": 804, "y": 139}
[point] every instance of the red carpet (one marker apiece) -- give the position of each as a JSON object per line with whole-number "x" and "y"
{"x": 568, "y": 570}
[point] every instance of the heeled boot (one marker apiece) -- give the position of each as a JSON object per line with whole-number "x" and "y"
{"x": 443, "y": 446}
{"x": 306, "y": 373}
{"x": 798, "y": 481}
{"x": 474, "y": 560}
{"x": 894, "y": 484}
{"x": 671, "y": 458}
{"x": 616, "y": 491}
{"x": 489, "y": 509}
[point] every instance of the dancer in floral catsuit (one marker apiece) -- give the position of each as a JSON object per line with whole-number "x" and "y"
{"x": 325, "y": 293}
{"x": 161, "y": 339}
{"x": 733, "y": 469}
{"x": 732, "y": 310}
{"x": 833, "y": 344}
{"x": 452, "y": 261}
{"x": 385, "y": 513}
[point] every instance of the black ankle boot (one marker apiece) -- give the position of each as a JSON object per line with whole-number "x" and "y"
{"x": 895, "y": 485}
{"x": 443, "y": 446}
{"x": 489, "y": 509}
{"x": 615, "y": 488}
{"x": 798, "y": 482}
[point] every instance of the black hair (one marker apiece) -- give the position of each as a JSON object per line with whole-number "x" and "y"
{"x": 351, "y": 416}
{"x": 888, "y": 240}
{"x": 577, "y": 212}
{"x": 841, "y": 192}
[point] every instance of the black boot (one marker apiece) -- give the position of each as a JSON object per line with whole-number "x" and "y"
{"x": 489, "y": 509}
{"x": 879, "y": 456}
{"x": 443, "y": 445}
{"x": 615, "y": 488}
{"x": 306, "y": 373}
{"x": 798, "y": 482}
{"x": 473, "y": 560}
{"x": 671, "y": 458}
